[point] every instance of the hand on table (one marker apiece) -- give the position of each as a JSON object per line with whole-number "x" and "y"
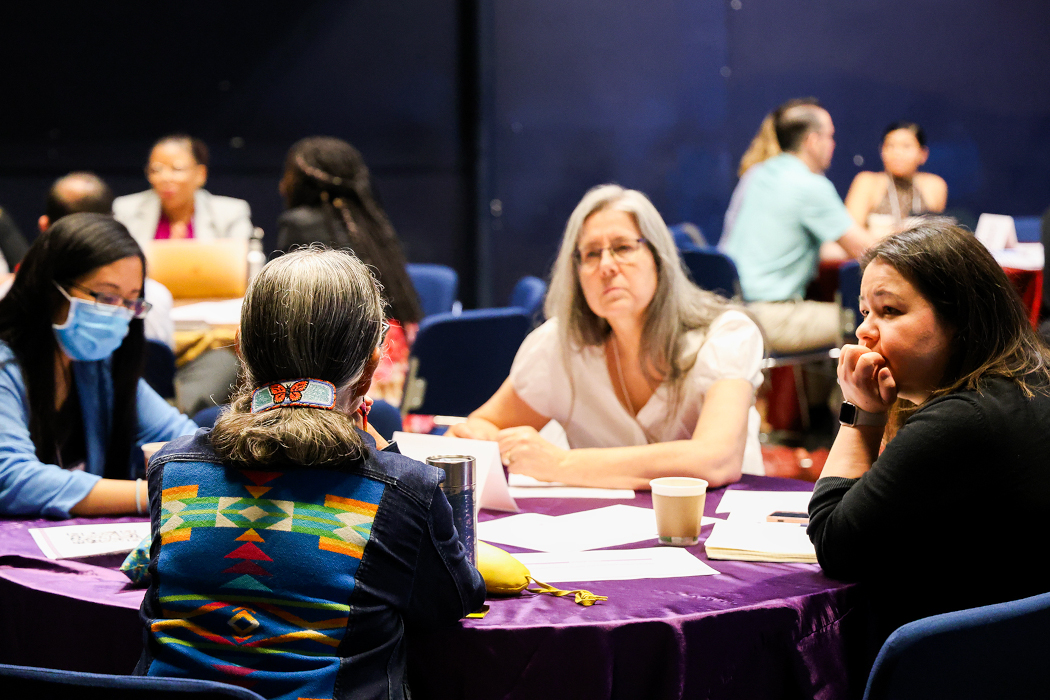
{"x": 525, "y": 452}
{"x": 865, "y": 379}
{"x": 474, "y": 429}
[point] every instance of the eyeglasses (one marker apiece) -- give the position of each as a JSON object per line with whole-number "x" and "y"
{"x": 622, "y": 252}
{"x": 138, "y": 308}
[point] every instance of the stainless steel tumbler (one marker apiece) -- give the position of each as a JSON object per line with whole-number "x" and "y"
{"x": 458, "y": 486}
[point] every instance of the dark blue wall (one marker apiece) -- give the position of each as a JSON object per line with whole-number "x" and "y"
{"x": 92, "y": 87}
{"x": 662, "y": 96}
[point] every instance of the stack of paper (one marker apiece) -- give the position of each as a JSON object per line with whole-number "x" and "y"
{"x": 758, "y": 541}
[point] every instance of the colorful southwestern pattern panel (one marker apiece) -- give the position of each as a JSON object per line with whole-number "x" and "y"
{"x": 256, "y": 570}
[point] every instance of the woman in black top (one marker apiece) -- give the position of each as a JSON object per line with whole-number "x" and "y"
{"x": 946, "y": 517}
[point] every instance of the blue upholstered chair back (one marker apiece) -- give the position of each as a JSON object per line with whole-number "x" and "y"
{"x": 528, "y": 294}
{"x": 458, "y": 361}
{"x": 25, "y": 682}
{"x": 996, "y": 651}
{"x": 436, "y": 285}
{"x": 849, "y": 289}
{"x": 1028, "y": 228}
{"x": 712, "y": 270}
{"x": 159, "y": 371}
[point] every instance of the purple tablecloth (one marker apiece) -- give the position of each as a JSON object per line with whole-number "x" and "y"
{"x": 755, "y": 631}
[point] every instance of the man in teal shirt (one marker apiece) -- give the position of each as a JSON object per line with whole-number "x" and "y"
{"x": 782, "y": 211}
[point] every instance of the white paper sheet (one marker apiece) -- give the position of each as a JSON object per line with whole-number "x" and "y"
{"x": 1024, "y": 256}
{"x": 574, "y": 532}
{"x": 491, "y": 485}
{"x": 754, "y": 506}
{"x": 208, "y": 313}
{"x": 759, "y": 541}
{"x": 522, "y": 486}
{"x": 68, "y": 541}
{"x": 996, "y": 231}
{"x": 614, "y": 565}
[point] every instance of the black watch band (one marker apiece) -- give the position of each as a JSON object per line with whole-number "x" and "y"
{"x": 853, "y": 416}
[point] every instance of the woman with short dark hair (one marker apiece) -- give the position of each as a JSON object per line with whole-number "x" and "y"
{"x": 74, "y": 410}
{"x": 951, "y": 377}
{"x": 289, "y": 551}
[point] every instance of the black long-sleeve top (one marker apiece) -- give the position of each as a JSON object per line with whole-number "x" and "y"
{"x": 954, "y": 514}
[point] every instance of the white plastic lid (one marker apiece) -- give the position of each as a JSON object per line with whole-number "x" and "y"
{"x": 678, "y": 486}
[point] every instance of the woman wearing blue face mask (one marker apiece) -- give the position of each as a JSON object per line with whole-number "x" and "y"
{"x": 74, "y": 411}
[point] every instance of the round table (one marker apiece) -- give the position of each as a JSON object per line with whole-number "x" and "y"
{"x": 757, "y": 630}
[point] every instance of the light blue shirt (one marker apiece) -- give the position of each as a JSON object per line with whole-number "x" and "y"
{"x": 30, "y": 487}
{"x": 785, "y": 212}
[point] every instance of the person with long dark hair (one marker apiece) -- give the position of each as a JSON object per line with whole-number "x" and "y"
{"x": 951, "y": 378}
{"x": 74, "y": 410}
{"x": 328, "y": 192}
{"x": 309, "y": 550}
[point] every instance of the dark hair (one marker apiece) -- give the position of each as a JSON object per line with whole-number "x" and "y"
{"x": 310, "y": 314}
{"x": 197, "y": 148}
{"x": 972, "y": 296}
{"x": 792, "y": 124}
{"x": 914, "y": 128}
{"x": 73, "y": 247}
{"x": 329, "y": 174}
{"x": 95, "y": 196}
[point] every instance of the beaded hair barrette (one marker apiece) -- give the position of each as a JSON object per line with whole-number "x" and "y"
{"x": 310, "y": 393}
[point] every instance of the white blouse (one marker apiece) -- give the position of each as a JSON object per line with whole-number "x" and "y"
{"x": 582, "y": 399}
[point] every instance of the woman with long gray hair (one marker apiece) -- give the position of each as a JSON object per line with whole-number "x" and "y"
{"x": 635, "y": 360}
{"x": 288, "y": 549}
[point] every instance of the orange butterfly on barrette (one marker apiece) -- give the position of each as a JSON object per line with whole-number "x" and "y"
{"x": 293, "y": 393}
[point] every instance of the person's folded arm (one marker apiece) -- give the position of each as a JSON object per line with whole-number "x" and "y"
{"x": 27, "y": 485}
{"x": 859, "y": 526}
{"x": 714, "y": 453}
{"x": 856, "y": 240}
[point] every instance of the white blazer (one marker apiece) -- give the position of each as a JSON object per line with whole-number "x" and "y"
{"x": 213, "y": 216}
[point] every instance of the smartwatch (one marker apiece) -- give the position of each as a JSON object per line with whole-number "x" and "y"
{"x": 853, "y": 416}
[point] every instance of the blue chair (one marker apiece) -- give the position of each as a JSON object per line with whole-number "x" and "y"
{"x": 436, "y": 285}
{"x": 995, "y": 651}
{"x": 18, "y": 682}
{"x": 712, "y": 270}
{"x": 1028, "y": 228}
{"x": 206, "y": 417}
{"x": 849, "y": 289}
{"x": 385, "y": 418}
{"x": 458, "y": 361}
{"x": 159, "y": 370}
{"x": 688, "y": 236}
{"x": 528, "y": 294}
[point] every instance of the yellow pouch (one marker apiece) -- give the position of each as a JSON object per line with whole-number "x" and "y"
{"x": 505, "y": 575}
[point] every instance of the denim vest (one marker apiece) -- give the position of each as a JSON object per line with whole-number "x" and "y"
{"x": 298, "y": 581}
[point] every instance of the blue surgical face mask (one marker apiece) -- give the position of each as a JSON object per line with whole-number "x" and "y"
{"x": 91, "y": 331}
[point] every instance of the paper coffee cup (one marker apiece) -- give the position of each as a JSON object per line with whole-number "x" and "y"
{"x": 678, "y": 502}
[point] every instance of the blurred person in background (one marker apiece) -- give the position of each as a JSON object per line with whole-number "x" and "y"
{"x": 327, "y": 190}
{"x": 882, "y": 201}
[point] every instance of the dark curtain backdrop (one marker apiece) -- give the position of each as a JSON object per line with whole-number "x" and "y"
{"x": 485, "y": 121}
